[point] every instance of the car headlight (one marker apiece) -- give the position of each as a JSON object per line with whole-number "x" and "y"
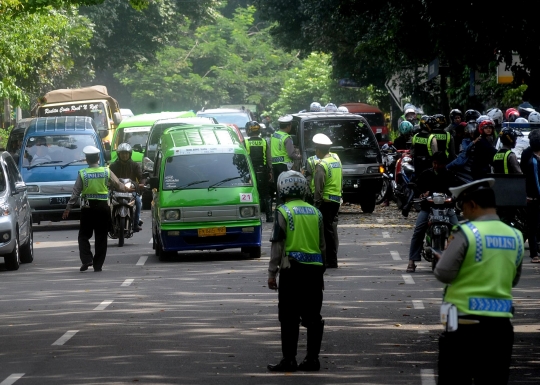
{"x": 247, "y": 211}
{"x": 172, "y": 215}
{"x": 32, "y": 188}
{"x": 375, "y": 170}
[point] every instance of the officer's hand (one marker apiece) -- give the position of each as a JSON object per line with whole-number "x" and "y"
{"x": 272, "y": 284}
{"x": 65, "y": 214}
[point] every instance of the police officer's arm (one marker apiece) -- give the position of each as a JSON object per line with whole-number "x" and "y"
{"x": 77, "y": 188}
{"x": 320, "y": 179}
{"x": 434, "y": 147}
{"x": 452, "y": 149}
{"x": 277, "y": 250}
{"x": 116, "y": 184}
{"x": 268, "y": 156}
{"x": 309, "y": 173}
{"x": 289, "y": 146}
{"x": 513, "y": 164}
{"x": 448, "y": 266}
{"x": 138, "y": 171}
{"x": 322, "y": 244}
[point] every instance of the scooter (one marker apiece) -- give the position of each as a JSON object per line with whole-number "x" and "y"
{"x": 123, "y": 206}
{"x": 389, "y": 160}
{"x": 402, "y": 182}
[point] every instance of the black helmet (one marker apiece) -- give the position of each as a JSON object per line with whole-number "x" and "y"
{"x": 253, "y": 128}
{"x": 423, "y": 121}
{"x": 509, "y": 136}
{"x": 471, "y": 115}
{"x": 431, "y": 123}
{"x": 455, "y": 112}
{"x": 440, "y": 120}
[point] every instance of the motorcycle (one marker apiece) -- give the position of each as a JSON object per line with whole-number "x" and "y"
{"x": 390, "y": 157}
{"x": 122, "y": 213}
{"x": 404, "y": 174}
{"x": 441, "y": 208}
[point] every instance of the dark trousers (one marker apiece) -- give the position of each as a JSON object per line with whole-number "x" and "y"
{"x": 300, "y": 301}
{"x": 420, "y": 228}
{"x": 533, "y": 212}
{"x": 276, "y": 170}
{"x": 94, "y": 220}
{"x": 329, "y": 211}
{"x": 481, "y": 352}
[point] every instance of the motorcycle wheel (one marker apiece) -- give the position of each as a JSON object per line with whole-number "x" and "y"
{"x": 121, "y": 229}
{"x": 381, "y": 196}
{"x": 437, "y": 244}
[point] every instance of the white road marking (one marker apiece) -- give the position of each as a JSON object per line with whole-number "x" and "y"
{"x": 376, "y": 226}
{"x": 427, "y": 376}
{"x": 151, "y": 239}
{"x": 408, "y": 279}
{"x": 395, "y": 256}
{"x": 380, "y": 220}
{"x": 65, "y": 338}
{"x": 142, "y": 261}
{"x": 11, "y": 379}
{"x": 418, "y": 304}
{"x": 385, "y": 234}
{"x": 127, "y": 282}
{"x": 103, "y": 305}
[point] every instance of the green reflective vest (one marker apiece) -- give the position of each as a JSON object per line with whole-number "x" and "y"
{"x": 422, "y": 144}
{"x": 95, "y": 183}
{"x": 483, "y": 285}
{"x": 332, "y": 185}
{"x": 277, "y": 148}
{"x": 313, "y": 161}
{"x": 500, "y": 161}
{"x": 303, "y": 222}
{"x": 256, "y": 148}
{"x": 443, "y": 141}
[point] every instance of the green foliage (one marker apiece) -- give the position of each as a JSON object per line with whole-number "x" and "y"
{"x": 514, "y": 96}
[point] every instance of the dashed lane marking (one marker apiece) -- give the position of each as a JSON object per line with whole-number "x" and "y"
{"x": 427, "y": 376}
{"x": 385, "y": 234}
{"x": 103, "y": 305}
{"x": 418, "y": 304}
{"x": 380, "y": 220}
{"x": 395, "y": 256}
{"x": 142, "y": 261}
{"x": 127, "y": 282}
{"x": 408, "y": 279}
{"x": 65, "y": 338}
{"x": 11, "y": 379}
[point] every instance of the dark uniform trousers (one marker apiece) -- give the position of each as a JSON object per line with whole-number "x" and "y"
{"x": 329, "y": 211}
{"x": 479, "y": 351}
{"x": 300, "y": 301}
{"x": 276, "y": 170}
{"x": 95, "y": 219}
{"x": 263, "y": 182}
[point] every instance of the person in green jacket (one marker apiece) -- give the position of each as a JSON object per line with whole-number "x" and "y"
{"x": 480, "y": 266}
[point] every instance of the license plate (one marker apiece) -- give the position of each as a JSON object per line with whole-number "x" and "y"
{"x": 212, "y": 232}
{"x": 440, "y": 219}
{"x": 59, "y": 200}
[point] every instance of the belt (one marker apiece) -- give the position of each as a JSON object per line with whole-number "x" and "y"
{"x": 278, "y": 159}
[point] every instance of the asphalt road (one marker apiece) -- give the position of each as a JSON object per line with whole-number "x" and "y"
{"x": 209, "y": 318}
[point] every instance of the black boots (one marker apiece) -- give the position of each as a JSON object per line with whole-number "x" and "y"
{"x": 268, "y": 210}
{"x": 285, "y": 365}
{"x": 314, "y": 338}
{"x": 289, "y": 344}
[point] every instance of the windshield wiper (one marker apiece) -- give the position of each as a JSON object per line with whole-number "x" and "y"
{"x": 223, "y": 181}
{"x": 73, "y": 161}
{"x": 189, "y": 184}
{"x": 44, "y": 163}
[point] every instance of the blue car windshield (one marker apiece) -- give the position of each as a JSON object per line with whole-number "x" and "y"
{"x": 56, "y": 149}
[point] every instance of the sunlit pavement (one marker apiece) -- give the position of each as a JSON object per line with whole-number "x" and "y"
{"x": 208, "y": 317}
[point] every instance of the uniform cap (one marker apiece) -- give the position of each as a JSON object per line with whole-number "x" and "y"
{"x": 322, "y": 140}
{"x": 91, "y": 150}
{"x": 481, "y": 184}
{"x": 285, "y": 119}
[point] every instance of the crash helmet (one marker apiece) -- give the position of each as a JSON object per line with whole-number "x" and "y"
{"x": 253, "y": 128}
{"x": 481, "y": 118}
{"x": 511, "y": 114}
{"x": 471, "y": 115}
{"x": 455, "y": 112}
{"x": 440, "y": 120}
{"x": 292, "y": 184}
{"x": 410, "y": 111}
{"x": 534, "y": 117}
{"x": 525, "y": 109}
{"x": 342, "y": 109}
{"x": 521, "y": 120}
{"x": 496, "y": 115}
{"x": 405, "y": 127}
{"x": 124, "y": 147}
{"x": 423, "y": 121}
{"x": 330, "y": 107}
{"x": 431, "y": 123}
{"x": 315, "y": 107}
{"x": 509, "y": 136}
{"x": 485, "y": 123}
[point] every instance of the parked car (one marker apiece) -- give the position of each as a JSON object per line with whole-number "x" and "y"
{"x": 16, "y": 237}
{"x": 237, "y": 117}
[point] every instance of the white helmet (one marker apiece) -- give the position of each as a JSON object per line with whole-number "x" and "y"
{"x": 343, "y": 109}
{"x": 315, "y": 107}
{"x": 321, "y": 139}
{"x": 496, "y": 115}
{"x": 409, "y": 110}
{"x": 292, "y": 184}
{"x": 330, "y": 107}
{"x": 521, "y": 120}
{"x": 534, "y": 117}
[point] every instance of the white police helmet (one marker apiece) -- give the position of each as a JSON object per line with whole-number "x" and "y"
{"x": 330, "y": 107}
{"x": 285, "y": 119}
{"x": 321, "y": 139}
{"x": 496, "y": 115}
{"x": 343, "y": 109}
{"x": 534, "y": 117}
{"x": 315, "y": 107}
{"x": 91, "y": 150}
{"x": 521, "y": 120}
{"x": 292, "y": 184}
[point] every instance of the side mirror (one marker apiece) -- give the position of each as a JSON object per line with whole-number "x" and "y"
{"x": 19, "y": 187}
{"x": 137, "y": 148}
{"x": 117, "y": 118}
{"x": 154, "y": 182}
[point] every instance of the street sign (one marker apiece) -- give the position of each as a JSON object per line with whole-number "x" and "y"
{"x": 348, "y": 83}
{"x": 392, "y": 85}
{"x": 433, "y": 69}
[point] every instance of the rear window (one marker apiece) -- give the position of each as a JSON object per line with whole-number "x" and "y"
{"x": 373, "y": 118}
{"x": 239, "y": 119}
{"x": 132, "y": 135}
{"x": 204, "y": 170}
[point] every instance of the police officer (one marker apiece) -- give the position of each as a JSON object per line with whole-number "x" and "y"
{"x": 480, "y": 266}
{"x": 282, "y": 148}
{"x": 91, "y": 184}
{"x": 298, "y": 254}
{"x": 259, "y": 152}
{"x": 445, "y": 140}
{"x": 326, "y": 185}
{"x": 424, "y": 145}
{"x": 505, "y": 161}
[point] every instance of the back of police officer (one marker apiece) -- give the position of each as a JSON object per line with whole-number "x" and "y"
{"x": 298, "y": 254}
{"x": 505, "y": 161}
{"x": 259, "y": 152}
{"x": 424, "y": 145}
{"x": 480, "y": 266}
{"x": 445, "y": 140}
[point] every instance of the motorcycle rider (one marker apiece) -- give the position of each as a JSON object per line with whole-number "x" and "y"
{"x": 480, "y": 266}
{"x": 436, "y": 179}
{"x": 483, "y": 148}
{"x": 462, "y": 165}
{"x": 497, "y": 116}
{"x": 409, "y": 115}
{"x": 424, "y": 145}
{"x": 403, "y": 141}
{"x": 445, "y": 141}
{"x": 125, "y": 167}
{"x": 470, "y": 118}
{"x": 511, "y": 115}
{"x": 456, "y": 118}
{"x": 505, "y": 161}
{"x": 259, "y": 152}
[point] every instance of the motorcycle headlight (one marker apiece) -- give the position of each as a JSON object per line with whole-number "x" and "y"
{"x": 172, "y": 215}
{"x": 246, "y": 212}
